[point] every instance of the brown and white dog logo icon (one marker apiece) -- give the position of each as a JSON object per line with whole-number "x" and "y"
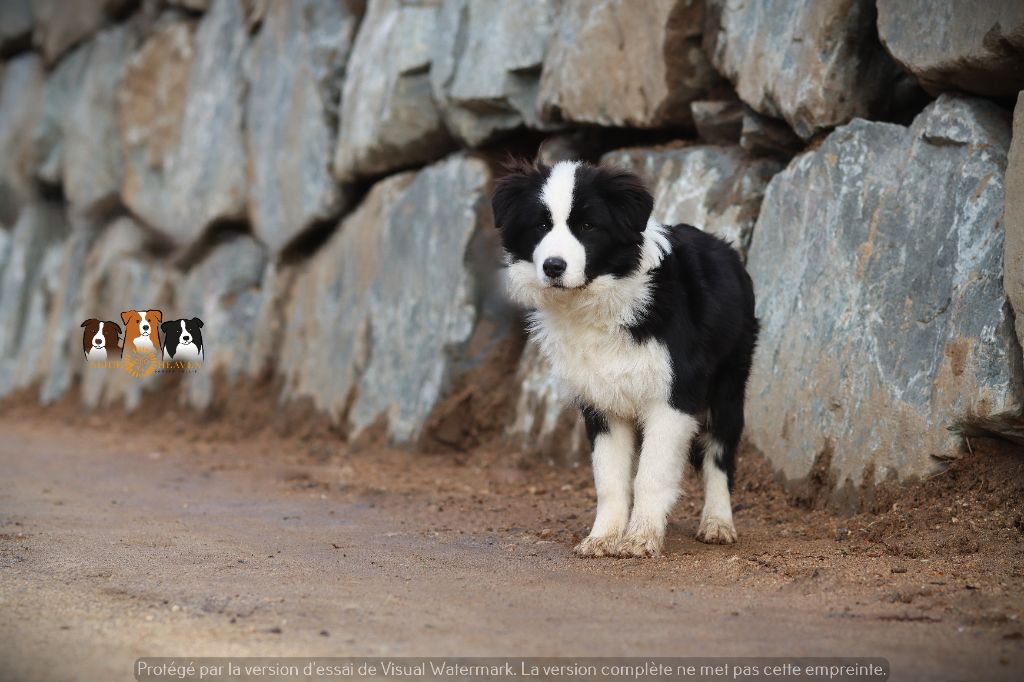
{"x": 101, "y": 340}
{"x": 142, "y": 331}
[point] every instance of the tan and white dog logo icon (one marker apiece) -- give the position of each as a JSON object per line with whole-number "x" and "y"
{"x": 142, "y": 331}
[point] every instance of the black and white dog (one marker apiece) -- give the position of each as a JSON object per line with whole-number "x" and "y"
{"x": 183, "y": 340}
{"x": 651, "y": 326}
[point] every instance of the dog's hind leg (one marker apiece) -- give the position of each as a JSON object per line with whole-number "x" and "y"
{"x": 716, "y": 525}
{"x": 613, "y": 441}
{"x": 667, "y": 434}
{"x": 720, "y": 441}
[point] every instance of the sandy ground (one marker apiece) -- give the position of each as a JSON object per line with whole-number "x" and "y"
{"x": 121, "y": 541}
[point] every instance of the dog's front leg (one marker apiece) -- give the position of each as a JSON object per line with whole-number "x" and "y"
{"x": 614, "y": 445}
{"x": 667, "y": 434}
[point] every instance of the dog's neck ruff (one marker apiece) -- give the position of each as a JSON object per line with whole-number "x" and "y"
{"x": 607, "y": 301}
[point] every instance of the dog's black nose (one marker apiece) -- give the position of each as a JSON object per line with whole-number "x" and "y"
{"x": 554, "y": 267}
{"x": 184, "y": 339}
{"x": 145, "y": 327}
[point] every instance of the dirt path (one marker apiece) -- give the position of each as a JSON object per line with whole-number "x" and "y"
{"x": 116, "y": 545}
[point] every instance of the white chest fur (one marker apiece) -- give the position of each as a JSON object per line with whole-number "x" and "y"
{"x": 143, "y": 343}
{"x": 96, "y": 355}
{"x": 604, "y": 366}
{"x": 187, "y": 352}
{"x": 583, "y": 333}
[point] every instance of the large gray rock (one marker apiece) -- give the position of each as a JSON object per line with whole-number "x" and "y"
{"x": 223, "y": 290}
{"x": 182, "y": 104}
{"x": 271, "y": 316}
{"x": 484, "y": 80}
{"x": 546, "y": 420}
{"x": 389, "y": 119}
{"x": 717, "y": 189}
{"x": 33, "y": 258}
{"x": 877, "y": 262}
{"x": 1013, "y": 218}
{"x": 5, "y": 248}
{"x": 91, "y": 149}
{"x": 718, "y": 121}
{"x": 622, "y": 63}
{"x": 54, "y": 356}
{"x": 60, "y": 25}
{"x": 764, "y": 136}
{"x": 194, "y": 5}
{"x": 59, "y": 94}
{"x": 957, "y": 45}
{"x": 31, "y": 356}
{"x": 298, "y": 57}
{"x": 15, "y": 25}
{"x": 815, "y": 63}
{"x": 21, "y": 90}
{"x": 375, "y": 318}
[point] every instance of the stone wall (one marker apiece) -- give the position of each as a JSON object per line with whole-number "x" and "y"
{"x": 310, "y": 178}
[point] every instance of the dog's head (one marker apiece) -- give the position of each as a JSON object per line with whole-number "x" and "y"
{"x": 571, "y": 223}
{"x": 100, "y": 335}
{"x": 180, "y": 334}
{"x": 145, "y": 323}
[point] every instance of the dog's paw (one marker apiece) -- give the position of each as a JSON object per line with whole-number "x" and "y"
{"x": 716, "y": 531}
{"x": 597, "y": 546}
{"x": 640, "y": 545}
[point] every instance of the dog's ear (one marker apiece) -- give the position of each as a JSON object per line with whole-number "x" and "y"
{"x": 627, "y": 198}
{"x": 89, "y": 320}
{"x": 166, "y": 326}
{"x": 126, "y": 316}
{"x": 197, "y": 322}
{"x": 159, "y": 315}
{"x": 115, "y": 326}
{"x": 509, "y": 190}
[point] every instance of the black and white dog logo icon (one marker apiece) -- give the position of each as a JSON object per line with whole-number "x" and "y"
{"x": 183, "y": 340}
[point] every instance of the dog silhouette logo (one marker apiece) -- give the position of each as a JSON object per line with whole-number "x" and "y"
{"x": 101, "y": 340}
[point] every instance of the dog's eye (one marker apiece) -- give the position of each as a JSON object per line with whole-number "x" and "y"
{"x": 586, "y": 227}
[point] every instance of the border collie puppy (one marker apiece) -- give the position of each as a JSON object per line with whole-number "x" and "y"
{"x": 651, "y": 326}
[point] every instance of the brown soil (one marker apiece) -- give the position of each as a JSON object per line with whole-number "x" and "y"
{"x": 154, "y": 533}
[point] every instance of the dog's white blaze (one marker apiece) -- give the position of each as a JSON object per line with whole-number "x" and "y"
{"x": 558, "y": 190}
{"x": 99, "y": 341}
{"x": 559, "y": 242}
